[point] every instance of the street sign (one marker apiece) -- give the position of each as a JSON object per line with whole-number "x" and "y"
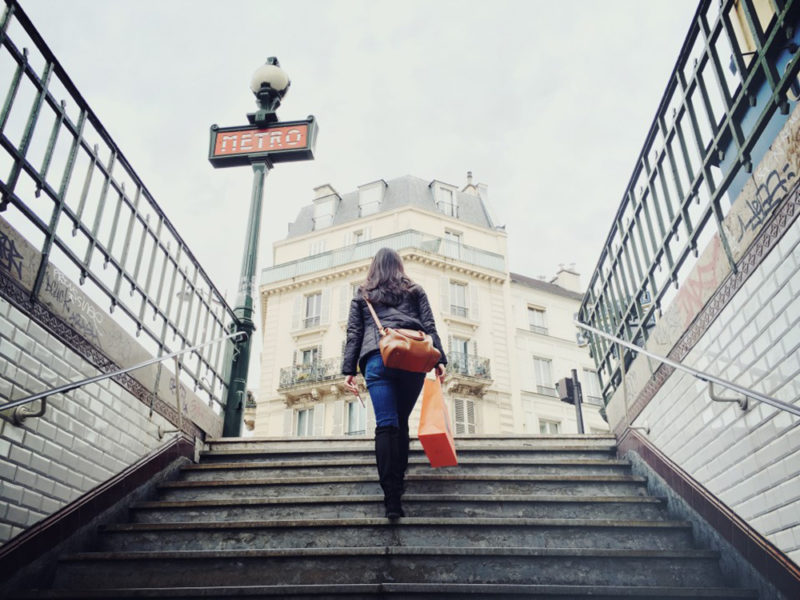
{"x": 277, "y": 142}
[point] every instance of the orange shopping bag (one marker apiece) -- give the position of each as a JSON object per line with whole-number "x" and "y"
{"x": 435, "y": 433}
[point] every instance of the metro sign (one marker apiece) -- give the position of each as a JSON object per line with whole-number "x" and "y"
{"x": 277, "y": 142}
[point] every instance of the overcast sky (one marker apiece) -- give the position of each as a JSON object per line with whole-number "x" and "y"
{"x": 547, "y": 102}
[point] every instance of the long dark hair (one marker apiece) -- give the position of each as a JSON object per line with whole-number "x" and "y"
{"x": 386, "y": 282}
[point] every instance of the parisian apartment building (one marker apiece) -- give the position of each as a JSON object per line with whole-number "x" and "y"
{"x": 508, "y": 337}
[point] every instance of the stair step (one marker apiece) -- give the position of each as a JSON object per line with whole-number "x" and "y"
{"x": 367, "y": 451}
{"x": 416, "y": 591}
{"x": 415, "y": 505}
{"x": 417, "y": 465}
{"x": 326, "y": 566}
{"x": 412, "y": 531}
{"x": 440, "y": 481}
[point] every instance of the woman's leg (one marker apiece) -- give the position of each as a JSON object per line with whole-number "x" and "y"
{"x": 410, "y": 388}
{"x": 383, "y": 391}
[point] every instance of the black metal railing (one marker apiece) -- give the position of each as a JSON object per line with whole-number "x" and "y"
{"x": 72, "y": 193}
{"x": 315, "y": 372}
{"x": 469, "y": 365}
{"x": 726, "y": 91}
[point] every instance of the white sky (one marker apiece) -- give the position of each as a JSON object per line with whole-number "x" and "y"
{"x": 548, "y": 103}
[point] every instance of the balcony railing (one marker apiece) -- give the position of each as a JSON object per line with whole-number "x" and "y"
{"x": 316, "y": 372}
{"x": 471, "y": 366}
{"x": 396, "y": 241}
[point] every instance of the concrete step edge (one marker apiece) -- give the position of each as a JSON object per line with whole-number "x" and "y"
{"x": 455, "y": 498}
{"x": 448, "y": 551}
{"x": 477, "y": 437}
{"x": 370, "y": 462}
{"x": 411, "y": 477}
{"x": 368, "y": 446}
{"x": 405, "y": 521}
{"x": 346, "y": 590}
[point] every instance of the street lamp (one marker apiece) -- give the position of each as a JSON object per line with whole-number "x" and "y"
{"x": 261, "y": 144}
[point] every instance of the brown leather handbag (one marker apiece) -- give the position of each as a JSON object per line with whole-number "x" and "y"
{"x": 405, "y": 349}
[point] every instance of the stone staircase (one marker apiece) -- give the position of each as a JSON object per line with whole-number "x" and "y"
{"x": 523, "y": 517}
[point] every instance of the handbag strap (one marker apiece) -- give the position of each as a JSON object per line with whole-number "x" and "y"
{"x": 374, "y": 316}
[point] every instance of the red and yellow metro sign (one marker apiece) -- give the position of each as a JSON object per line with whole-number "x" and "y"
{"x": 278, "y": 142}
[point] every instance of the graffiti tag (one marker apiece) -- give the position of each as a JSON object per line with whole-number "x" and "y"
{"x": 696, "y": 289}
{"x": 768, "y": 195}
{"x": 10, "y": 258}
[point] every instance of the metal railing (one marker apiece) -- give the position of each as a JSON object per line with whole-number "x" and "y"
{"x": 396, "y": 241}
{"x": 469, "y": 365}
{"x": 701, "y": 375}
{"x": 317, "y": 371}
{"x": 67, "y": 387}
{"x": 72, "y": 193}
{"x": 730, "y": 92}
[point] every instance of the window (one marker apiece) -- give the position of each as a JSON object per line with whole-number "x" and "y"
{"x": 464, "y": 415}
{"x": 356, "y": 418}
{"x": 313, "y": 310}
{"x": 323, "y": 213}
{"x": 458, "y": 299}
{"x": 309, "y": 356}
{"x": 369, "y": 198}
{"x": 452, "y": 245}
{"x": 591, "y": 388}
{"x": 549, "y": 426}
{"x": 458, "y": 357}
{"x": 536, "y": 320}
{"x": 305, "y": 422}
{"x": 543, "y": 373}
{"x": 317, "y": 247}
{"x": 445, "y": 200}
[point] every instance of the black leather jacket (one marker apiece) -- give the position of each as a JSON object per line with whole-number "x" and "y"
{"x": 414, "y": 312}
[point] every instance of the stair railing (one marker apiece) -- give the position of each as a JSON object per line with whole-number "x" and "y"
{"x": 21, "y": 411}
{"x": 701, "y": 375}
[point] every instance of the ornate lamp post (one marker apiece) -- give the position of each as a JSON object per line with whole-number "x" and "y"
{"x": 261, "y": 144}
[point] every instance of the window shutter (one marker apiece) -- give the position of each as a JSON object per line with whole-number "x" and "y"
{"x": 319, "y": 419}
{"x": 474, "y": 312}
{"x": 370, "y": 416}
{"x": 470, "y": 416}
{"x": 450, "y": 343}
{"x": 338, "y": 418}
{"x": 294, "y": 358}
{"x": 288, "y": 418}
{"x": 297, "y": 311}
{"x": 459, "y": 415}
{"x": 444, "y": 296}
{"x": 344, "y": 302}
{"x": 474, "y": 348}
{"x": 325, "y": 305}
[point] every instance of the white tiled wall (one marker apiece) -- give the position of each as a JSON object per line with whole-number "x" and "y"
{"x": 83, "y": 439}
{"x": 750, "y": 460}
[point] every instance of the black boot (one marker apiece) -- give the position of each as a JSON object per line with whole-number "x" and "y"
{"x": 387, "y": 455}
{"x": 403, "y": 447}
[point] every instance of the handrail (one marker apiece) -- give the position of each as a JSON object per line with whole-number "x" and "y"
{"x": 701, "y": 375}
{"x": 76, "y": 384}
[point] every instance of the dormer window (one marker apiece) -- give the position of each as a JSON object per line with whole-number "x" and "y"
{"x": 323, "y": 214}
{"x": 445, "y": 197}
{"x": 370, "y": 197}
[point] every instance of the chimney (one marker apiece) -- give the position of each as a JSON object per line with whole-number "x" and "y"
{"x": 568, "y": 278}
{"x": 324, "y": 190}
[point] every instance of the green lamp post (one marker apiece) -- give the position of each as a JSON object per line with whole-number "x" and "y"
{"x": 261, "y": 144}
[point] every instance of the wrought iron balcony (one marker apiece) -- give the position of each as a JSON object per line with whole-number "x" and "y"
{"x": 397, "y": 241}
{"x": 468, "y": 374}
{"x": 308, "y": 375}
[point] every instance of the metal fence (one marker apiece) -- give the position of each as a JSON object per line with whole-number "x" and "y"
{"x": 734, "y": 83}
{"x": 68, "y": 188}
{"x": 397, "y": 241}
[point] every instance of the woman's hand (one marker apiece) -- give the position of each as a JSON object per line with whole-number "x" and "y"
{"x": 350, "y": 382}
{"x": 440, "y": 372}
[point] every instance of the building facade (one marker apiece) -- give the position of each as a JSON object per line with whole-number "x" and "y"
{"x": 497, "y": 327}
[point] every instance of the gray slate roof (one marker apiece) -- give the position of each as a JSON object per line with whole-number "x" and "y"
{"x": 403, "y": 191}
{"x": 538, "y": 284}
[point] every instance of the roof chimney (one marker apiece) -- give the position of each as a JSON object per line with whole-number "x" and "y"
{"x": 568, "y": 279}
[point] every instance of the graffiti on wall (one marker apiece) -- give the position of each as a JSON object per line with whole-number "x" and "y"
{"x": 82, "y": 314}
{"x": 10, "y": 258}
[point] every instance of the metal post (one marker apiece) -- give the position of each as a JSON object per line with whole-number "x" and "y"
{"x": 578, "y": 398}
{"x": 237, "y": 382}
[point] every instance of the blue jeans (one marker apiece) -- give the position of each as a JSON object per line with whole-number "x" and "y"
{"x": 394, "y": 392}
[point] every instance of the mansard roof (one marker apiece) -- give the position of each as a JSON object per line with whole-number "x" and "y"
{"x": 544, "y": 286}
{"x": 403, "y": 191}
